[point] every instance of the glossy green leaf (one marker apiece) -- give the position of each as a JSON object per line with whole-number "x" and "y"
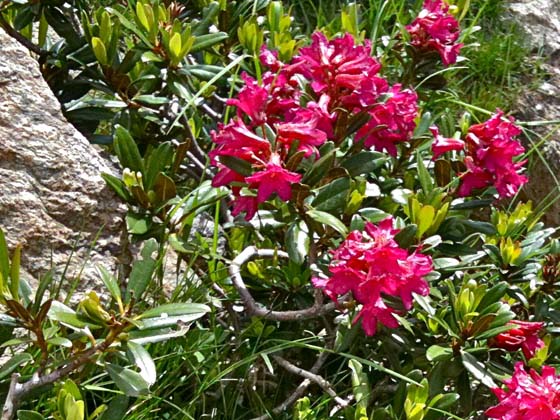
{"x": 13, "y": 363}
{"x": 196, "y": 310}
{"x": 363, "y": 163}
{"x": 99, "y": 50}
{"x": 329, "y": 220}
{"x": 142, "y": 271}
{"x": 205, "y": 41}
{"x": 297, "y": 242}
{"x": 426, "y": 180}
{"x": 138, "y": 224}
{"x": 333, "y": 196}
{"x": 110, "y": 283}
{"x": 127, "y": 150}
{"x": 436, "y": 353}
{"x": 116, "y": 409}
{"x": 143, "y": 361}
{"x": 29, "y": 415}
{"x": 360, "y": 387}
{"x": 117, "y": 186}
{"x": 127, "y": 380}
{"x": 477, "y": 369}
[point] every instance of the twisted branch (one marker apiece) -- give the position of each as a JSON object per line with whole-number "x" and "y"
{"x": 254, "y": 308}
{"x": 313, "y": 377}
{"x": 299, "y": 391}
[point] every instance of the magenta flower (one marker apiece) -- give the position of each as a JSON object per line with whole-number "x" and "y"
{"x": 371, "y": 264}
{"x": 442, "y": 144}
{"x": 336, "y": 67}
{"x": 303, "y": 131}
{"x": 391, "y": 122}
{"x": 490, "y": 149}
{"x": 529, "y": 396}
{"x": 273, "y": 179}
{"x": 251, "y": 100}
{"x": 525, "y": 337}
{"x": 436, "y": 29}
{"x": 247, "y": 204}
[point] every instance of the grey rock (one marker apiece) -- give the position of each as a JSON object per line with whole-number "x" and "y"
{"x": 52, "y": 198}
{"x": 540, "y": 21}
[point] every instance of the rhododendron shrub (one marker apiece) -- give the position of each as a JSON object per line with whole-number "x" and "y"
{"x": 352, "y": 245}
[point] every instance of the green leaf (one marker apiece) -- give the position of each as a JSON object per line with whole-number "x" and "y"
{"x": 164, "y": 188}
{"x": 321, "y": 166}
{"x": 423, "y": 175}
{"x": 329, "y": 220}
{"x": 13, "y": 363}
{"x": 138, "y": 224}
{"x": 127, "y": 150}
{"x": 156, "y": 162}
{"x": 147, "y": 335}
{"x": 60, "y": 341}
{"x": 436, "y": 353}
{"x": 127, "y": 380}
{"x": 29, "y": 415}
{"x": 493, "y": 295}
{"x": 110, "y": 283}
{"x": 143, "y": 361}
{"x": 116, "y": 409}
{"x": 405, "y": 238}
{"x": 360, "y": 387}
{"x": 423, "y": 125}
{"x": 141, "y": 14}
{"x": 477, "y": 369}
{"x": 142, "y": 271}
{"x": 117, "y": 185}
{"x": 76, "y": 411}
{"x": 297, "y": 242}
{"x": 130, "y": 59}
{"x": 151, "y": 99}
{"x": 209, "y": 13}
{"x": 99, "y": 50}
{"x": 482, "y": 227}
{"x": 333, "y": 196}
{"x": 373, "y": 214}
{"x": 4, "y": 262}
{"x": 62, "y": 313}
{"x": 194, "y": 310}
{"x": 425, "y": 219}
{"x": 204, "y": 41}
{"x": 14, "y": 273}
{"x": 175, "y": 46}
{"x": 363, "y": 163}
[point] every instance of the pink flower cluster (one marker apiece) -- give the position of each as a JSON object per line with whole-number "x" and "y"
{"x": 529, "y": 396}
{"x": 272, "y": 123}
{"x": 490, "y": 149}
{"x": 371, "y": 264}
{"x": 436, "y": 29}
{"x": 524, "y": 336}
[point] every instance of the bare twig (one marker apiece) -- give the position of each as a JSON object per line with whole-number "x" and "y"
{"x": 313, "y": 377}
{"x": 255, "y": 309}
{"x": 299, "y": 391}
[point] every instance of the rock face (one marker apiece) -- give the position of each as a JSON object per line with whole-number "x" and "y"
{"x": 540, "y": 21}
{"x": 52, "y": 197}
